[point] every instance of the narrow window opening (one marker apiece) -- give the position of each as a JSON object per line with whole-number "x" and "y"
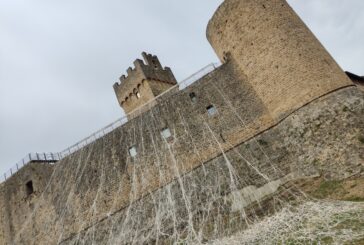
{"x": 193, "y": 97}
{"x": 138, "y": 95}
{"x": 29, "y": 188}
{"x": 211, "y": 110}
{"x": 225, "y": 56}
{"x": 133, "y": 151}
{"x": 166, "y": 133}
{"x": 155, "y": 64}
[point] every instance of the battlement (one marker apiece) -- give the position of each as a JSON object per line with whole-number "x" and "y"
{"x": 278, "y": 115}
{"x": 144, "y": 82}
{"x": 152, "y": 60}
{"x": 148, "y": 67}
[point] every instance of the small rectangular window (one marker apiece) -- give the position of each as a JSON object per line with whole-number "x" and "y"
{"x": 29, "y": 188}
{"x": 166, "y": 133}
{"x": 133, "y": 151}
{"x": 193, "y": 97}
{"x": 211, "y": 110}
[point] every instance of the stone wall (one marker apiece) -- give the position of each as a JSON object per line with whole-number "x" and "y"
{"x": 284, "y": 62}
{"x": 328, "y": 132}
{"x": 127, "y": 98}
{"x": 3, "y": 217}
{"x": 150, "y": 79}
{"x": 101, "y": 188}
{"x": 102, "y": 167}
{"x": 282, "y": 107}
{"x": 20, "y": 195}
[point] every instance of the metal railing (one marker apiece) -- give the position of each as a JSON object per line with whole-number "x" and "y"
{"x": 54, "y": 157}
{"x": 39, "y": 157}
{"x": 198, "y": 75}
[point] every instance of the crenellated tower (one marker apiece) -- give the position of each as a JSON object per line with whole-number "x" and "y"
{"x": 143, "y": 84}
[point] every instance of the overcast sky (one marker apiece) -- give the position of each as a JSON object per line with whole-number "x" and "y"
{"x": 59, "y": 59}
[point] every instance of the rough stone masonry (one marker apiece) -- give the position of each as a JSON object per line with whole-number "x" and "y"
{"x": 196, "y": 164}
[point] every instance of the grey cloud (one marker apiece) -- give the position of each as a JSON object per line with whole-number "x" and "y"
{"x": 59, "y": 59}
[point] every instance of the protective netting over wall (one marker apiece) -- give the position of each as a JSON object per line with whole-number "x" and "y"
{"x": 200, "y": 181}
{"x": 52, "y": 157}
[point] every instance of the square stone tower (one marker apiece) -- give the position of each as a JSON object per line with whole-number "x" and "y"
{"x": 143, "y": 84}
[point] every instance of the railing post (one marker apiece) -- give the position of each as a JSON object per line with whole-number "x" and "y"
{"x": 189, "y": 80}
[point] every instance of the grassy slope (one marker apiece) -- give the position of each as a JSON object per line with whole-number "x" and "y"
{"x": 332, "y": 214}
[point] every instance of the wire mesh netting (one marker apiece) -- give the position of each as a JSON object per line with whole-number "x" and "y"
{"x": 196, "y": 183}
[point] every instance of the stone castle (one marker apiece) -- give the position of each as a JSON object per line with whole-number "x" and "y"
{"x": 195, "y": 164}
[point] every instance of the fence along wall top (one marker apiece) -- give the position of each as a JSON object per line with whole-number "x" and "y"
{"x": 54, "y": 157}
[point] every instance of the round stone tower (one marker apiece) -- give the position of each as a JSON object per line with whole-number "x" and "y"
{"x": 283, "y": 61}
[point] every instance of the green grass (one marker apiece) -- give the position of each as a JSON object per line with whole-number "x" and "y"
{"x": 293, "y": 241}
{"x": 355, "y": 199}
{"x": 357, "y": 242}
{"x": 263, "y": 142}
{"x": 326, "y": 188}
{"x": 340, "y": 222}
{"x": 327, "y": 240}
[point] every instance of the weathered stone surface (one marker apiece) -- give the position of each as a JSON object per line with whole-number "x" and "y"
{"x": 201, "y": 183}
{"x": 18, "y": 205}
{"x": 284, "y": 62}
{"x": 92, "y": 190}
{"x": 208, "y": 186}
{"x": 142, "y": 84}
